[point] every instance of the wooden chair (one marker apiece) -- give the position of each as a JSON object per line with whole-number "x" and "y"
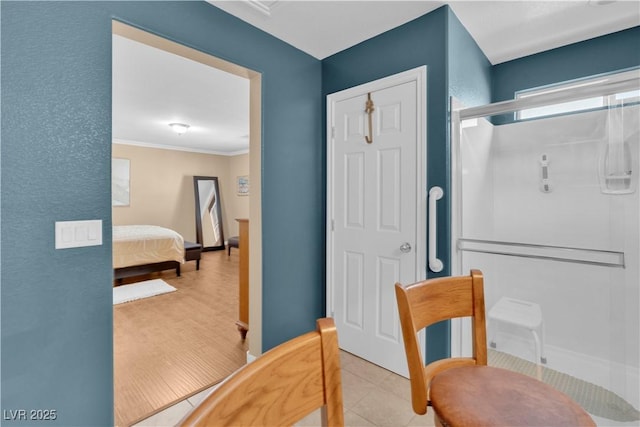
{"x": 425, "y": 303}
{"x": 281, "y": 387}
{"x": 463, "y": 391}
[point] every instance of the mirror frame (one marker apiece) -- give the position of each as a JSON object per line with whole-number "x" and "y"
{"x": 199, "y": 237}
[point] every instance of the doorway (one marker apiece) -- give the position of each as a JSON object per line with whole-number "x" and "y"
{"x": 254, "y": 167}
{"x": 376, "y": 210}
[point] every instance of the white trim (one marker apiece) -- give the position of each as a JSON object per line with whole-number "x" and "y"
{"x": 456, "y": 334}
{"x": 177, "y": 148}
{"x": 419, "y": 75}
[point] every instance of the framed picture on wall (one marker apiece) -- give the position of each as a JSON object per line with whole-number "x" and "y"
{"x": 120, "y": 182}
{"x": 243, "y": 185}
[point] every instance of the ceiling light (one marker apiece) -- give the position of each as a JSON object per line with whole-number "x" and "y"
{"x": 179, "y": 128}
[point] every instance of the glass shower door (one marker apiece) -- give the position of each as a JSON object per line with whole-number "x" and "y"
{"x": 549, "y": 212}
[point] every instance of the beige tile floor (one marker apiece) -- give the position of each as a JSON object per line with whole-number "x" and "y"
{"x": 372, "y": 397}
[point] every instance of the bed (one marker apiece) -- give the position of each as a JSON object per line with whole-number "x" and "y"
{"x": 144, "y": 249}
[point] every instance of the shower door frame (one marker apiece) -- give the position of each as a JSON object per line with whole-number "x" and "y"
{"x": 607, "y": 85}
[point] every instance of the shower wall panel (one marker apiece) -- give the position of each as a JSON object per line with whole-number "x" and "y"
{"x": 590, "y": 311}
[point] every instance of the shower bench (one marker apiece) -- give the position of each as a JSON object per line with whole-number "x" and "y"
{"x": 524, "y": 314}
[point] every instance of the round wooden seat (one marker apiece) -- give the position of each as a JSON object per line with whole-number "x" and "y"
{"x": 487, "y": 396}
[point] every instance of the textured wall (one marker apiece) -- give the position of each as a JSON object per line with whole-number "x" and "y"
{"x": 56, "y": 162}
{"x": 600, "y": 55}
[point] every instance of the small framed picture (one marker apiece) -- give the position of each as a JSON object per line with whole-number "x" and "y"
{"x": 243, "y": 185}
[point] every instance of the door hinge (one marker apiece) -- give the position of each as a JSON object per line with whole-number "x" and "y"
{"x": 333, "y": 131}
{"x": 333, "y": 225}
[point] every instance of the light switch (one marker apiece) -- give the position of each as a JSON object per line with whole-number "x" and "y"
{"x": 76, "y": 234}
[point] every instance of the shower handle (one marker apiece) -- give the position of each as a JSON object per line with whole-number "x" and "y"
{"x": 435, "y": 194}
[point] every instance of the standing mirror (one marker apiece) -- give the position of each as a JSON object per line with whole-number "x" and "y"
{"x": 208, "y": 213}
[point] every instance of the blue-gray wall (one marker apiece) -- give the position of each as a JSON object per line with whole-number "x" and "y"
{"x": 606, "y": 54}
{"x": 56, "y": 165}
{"x": 468, "y": 69}
{"x": 56, "y": 150}
{"x": 453, "y": 60}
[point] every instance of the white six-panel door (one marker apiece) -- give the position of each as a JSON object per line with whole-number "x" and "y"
{"x": 376, "y": 202}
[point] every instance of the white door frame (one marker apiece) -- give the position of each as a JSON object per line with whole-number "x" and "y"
{"x": 460, "y": 329}
{"x": 419, "y": 75}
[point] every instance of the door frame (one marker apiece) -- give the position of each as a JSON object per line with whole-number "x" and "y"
{"x": 255, "y": 160}
{"x": 419, "y": 75}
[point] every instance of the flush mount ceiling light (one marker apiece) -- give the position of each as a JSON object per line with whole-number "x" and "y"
{"x": 179, "y": 128}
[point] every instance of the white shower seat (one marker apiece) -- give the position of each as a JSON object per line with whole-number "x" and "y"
{"x": 520, "y": 313}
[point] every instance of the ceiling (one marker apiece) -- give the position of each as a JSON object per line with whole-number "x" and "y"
{"x": 150, "y": 90}
{"x": 504, "y": 30}
{"x": 153, "y": 88}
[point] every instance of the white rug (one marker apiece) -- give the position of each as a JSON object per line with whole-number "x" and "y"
{"x": 146, "y": 289}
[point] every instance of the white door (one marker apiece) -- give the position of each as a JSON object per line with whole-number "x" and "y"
{"x": 376, "y": 212}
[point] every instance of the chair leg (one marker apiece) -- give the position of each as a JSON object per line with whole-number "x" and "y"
{"x": 538, "y": 358}
{"x": 491, "y": 326}
{"x": 543, "y": 358}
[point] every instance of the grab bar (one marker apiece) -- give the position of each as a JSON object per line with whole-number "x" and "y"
{"x": 597, "y": 257}
{"x": 435, "y": 194}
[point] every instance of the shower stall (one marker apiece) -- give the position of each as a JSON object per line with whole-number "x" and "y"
{"x": 546, "y": 204}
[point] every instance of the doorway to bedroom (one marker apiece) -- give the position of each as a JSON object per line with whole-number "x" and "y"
{"x": 172, "y": 345}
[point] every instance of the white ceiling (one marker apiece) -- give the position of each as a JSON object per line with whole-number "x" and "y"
{"x": 150, "y": 89}
{"x": 504, "y": 30}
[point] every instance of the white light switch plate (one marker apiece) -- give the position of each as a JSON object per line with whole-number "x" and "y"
{"x": 77, "y": 234}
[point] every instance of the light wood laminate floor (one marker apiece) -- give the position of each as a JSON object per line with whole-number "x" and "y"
{"x": 172, "y": 346}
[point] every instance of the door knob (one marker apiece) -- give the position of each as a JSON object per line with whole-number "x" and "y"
{"x": 405, "y": 248}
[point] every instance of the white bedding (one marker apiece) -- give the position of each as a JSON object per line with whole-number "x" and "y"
{"x": 145, "y": 244}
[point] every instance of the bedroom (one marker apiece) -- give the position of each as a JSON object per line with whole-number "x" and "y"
{"x": 153, "y": 185}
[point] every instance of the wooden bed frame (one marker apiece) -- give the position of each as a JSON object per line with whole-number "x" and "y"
{"x": 192, "y": 252}
{"x": 139, "y": 270}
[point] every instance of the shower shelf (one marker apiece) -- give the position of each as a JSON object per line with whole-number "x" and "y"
{"x": 554, "y": 253}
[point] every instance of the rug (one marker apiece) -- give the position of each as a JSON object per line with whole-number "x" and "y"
{"x": 140, "y": 290}
{"x": 593, "y": 398}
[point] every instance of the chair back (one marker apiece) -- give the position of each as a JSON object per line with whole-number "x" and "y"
{"x": 424, "y": 303}
{"x": 280, "y": 387}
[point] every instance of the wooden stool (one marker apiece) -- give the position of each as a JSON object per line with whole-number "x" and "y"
{"x": 486, "y": 396}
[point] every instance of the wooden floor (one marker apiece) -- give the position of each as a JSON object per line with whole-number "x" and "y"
{"x": 169, "y": 347}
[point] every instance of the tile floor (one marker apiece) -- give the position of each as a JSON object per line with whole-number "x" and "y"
{"x": 372, "y": 397}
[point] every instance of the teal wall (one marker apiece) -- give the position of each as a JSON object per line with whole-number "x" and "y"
{"x": 468, "y": 69}
{"x": 56, "y": 346}
{"x": 453, "y": 60}
{"x": 606, "y": 54}
{"x": 56, "y": 164}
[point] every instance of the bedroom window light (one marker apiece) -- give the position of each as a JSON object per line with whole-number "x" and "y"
{"x": 179, "y": 128}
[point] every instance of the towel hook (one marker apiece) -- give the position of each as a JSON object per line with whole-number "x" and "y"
{"x": 369, "y": 109}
